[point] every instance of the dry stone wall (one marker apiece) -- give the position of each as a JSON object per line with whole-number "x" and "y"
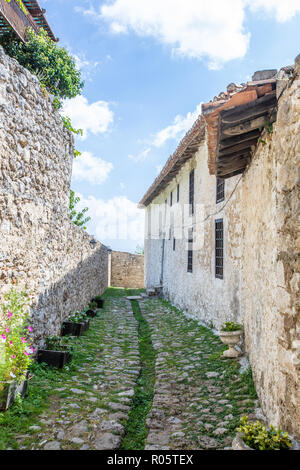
{"x": 40, "y": 248}
{"x": 127, "y": 270}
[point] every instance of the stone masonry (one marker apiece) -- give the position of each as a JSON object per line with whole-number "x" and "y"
{"x": 127, "y": 270}
{"x": 40, "y": 248}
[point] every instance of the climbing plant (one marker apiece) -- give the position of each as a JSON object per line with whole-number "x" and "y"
{"x": 78, "y": 218}
{"x": 54, "y": 66}
{"x": 68, "y": 125}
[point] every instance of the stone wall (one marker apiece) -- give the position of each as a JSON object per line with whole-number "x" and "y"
{"x": 127, "y": 270}
{"x": 260, "y": 287}
{"x": 270, "y": 264}
{"x": 40, "y": 248}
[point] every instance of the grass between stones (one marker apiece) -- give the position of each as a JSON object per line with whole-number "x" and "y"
{"x": 187, "y": 353}
{"x": 136, "y": 430}
{"x": 49, "y": 389}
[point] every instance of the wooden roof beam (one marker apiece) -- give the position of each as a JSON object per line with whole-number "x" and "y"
{"x": 229, "y": 142}
{"x": 247, "y": 126}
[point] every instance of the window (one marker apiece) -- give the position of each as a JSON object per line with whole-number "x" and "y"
{"x": 178, "y": 193}
{"x": 220, "y": 190}
{"x": 171, "y": 198}
{"x": 219, "y": 248}
{"x": 191, "y": 192}
{"x": 190, "y": 251}
{"x": 174, "y": 243}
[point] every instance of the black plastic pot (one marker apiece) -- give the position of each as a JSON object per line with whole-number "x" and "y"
{"x": 86, "y": 325}
{"x": 9, "y": 391}
{"x": 99, "y": 302}
{"x": 91, "y": 313}
{"x": 54, "y": 358}
{"x": 73, "y": 329}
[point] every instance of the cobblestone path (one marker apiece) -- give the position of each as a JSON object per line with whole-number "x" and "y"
{"x": 90, "y": 408}
{"x": 198, "y": 397}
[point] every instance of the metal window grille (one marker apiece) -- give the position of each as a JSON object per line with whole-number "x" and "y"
{"x": 220, "y": 190}
{"x": 191, "y": 191}
{"x": 190, "y": 251}
{"x": 219, "y": 248}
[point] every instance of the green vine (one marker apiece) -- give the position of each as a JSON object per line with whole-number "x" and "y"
{"x": 21, "y": 6}
{"x": 68, "y": 125}
{"x": 76, "y": 153}
{"x": 78, "y": 218}
{"x": 269, "y": 127}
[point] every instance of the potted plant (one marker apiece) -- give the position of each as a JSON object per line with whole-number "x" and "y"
{"x": 231, "y": 334}
{"x": 98, "y": 301}
{"x": 76, "y": 325}
{"x": 58, "y": 352}
{"x": 92, "y": 309}
{"x": 256, "y": 436}
{"x": 15, "y": 347}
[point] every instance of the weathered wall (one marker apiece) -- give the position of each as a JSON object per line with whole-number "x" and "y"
{"x": 270, "y": 264}
{"x": 261, "y": 257}
{"x": 127, "y": 270}
{"x": 40, "y": 248}
{"x": 200, "y": 293}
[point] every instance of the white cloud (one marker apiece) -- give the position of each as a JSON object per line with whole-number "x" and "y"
{"x": 193, "y": 28}
{"x": 115, "y": 219}
{"x": 94, "y": 118}
{"x": 178, "y": 128}
{"x": 175, "y": 131}
{"x": 89, "y": 168}
{"x": 86, "y": 66}
{"x": 283, "y": 10}
{"x": 141, "y": 157}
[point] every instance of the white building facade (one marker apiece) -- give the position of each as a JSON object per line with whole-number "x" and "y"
{"x": 222, "y": 239}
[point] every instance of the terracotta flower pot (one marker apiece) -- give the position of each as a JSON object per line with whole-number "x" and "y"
{"x": 231, "y": 338}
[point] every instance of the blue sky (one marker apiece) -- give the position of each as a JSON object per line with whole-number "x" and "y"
{"x": 147, "y": 66}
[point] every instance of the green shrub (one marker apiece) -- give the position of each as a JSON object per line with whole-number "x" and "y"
{"x": 93, "y": 305}
{"x": 231, "y": 326}
{"x": 258, "y": 437}
{"x": 78, "y": 317}
{"x": 56, "y": 343}
{"x": 53, "y": 65}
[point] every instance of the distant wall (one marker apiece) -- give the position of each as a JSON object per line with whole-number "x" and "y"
{"x": 40, "y": 248}
{"x": 127, "y": 270}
